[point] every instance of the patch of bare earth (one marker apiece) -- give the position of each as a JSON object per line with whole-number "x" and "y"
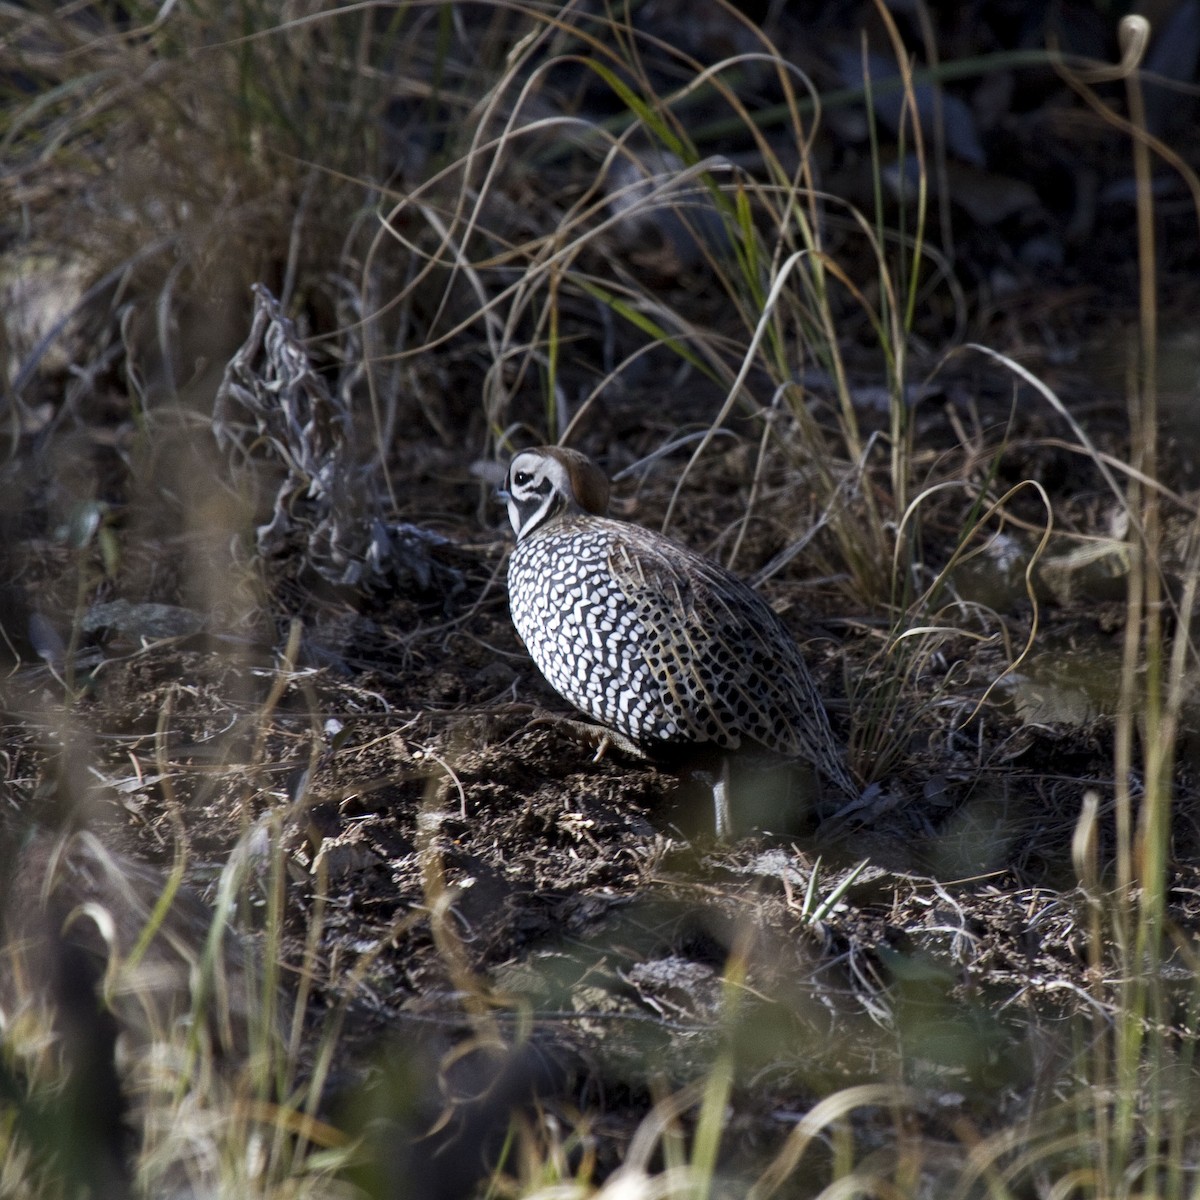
{"x": 467, "y": 881}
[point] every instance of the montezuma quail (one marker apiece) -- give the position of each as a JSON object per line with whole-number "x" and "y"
{"x": 647, "y": 637}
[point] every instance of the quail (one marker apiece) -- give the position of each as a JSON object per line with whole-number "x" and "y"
{"x": 649, "y": 638}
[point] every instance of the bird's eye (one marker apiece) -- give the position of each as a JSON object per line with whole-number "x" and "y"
{"x": 521, "y": 478}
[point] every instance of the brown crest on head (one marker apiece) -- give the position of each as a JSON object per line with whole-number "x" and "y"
{"x": 589, "y": 484}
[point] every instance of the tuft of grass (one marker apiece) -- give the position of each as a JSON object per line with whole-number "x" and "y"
{"x": 211, "y": 148}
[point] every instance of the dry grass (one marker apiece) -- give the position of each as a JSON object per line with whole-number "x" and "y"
{"x": 474, "y": 260}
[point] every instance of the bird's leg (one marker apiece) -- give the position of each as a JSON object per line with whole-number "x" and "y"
{"x": 593, "y": 735}
{"x": 612, "y": 739}
{"x": 720, "y": 791}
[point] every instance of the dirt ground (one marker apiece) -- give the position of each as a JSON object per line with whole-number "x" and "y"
{"x": 295, "y": 695}
{"x": 465, "y": 881}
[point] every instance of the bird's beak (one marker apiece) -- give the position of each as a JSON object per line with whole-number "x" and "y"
{"x": 503, "y": 495}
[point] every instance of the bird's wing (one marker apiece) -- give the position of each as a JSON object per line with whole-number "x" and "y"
{"x": 721, "y": 655}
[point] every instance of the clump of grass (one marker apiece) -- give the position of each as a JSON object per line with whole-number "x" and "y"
{"x": 211, "y": 148}
{"x": 781, "y": 261}
{"x": 150, "y": 1042}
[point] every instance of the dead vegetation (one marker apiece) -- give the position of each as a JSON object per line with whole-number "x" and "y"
{"x": 308, "y": 886}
